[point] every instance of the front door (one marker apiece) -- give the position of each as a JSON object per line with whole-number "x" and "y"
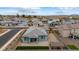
{"x": 33, "y": 39}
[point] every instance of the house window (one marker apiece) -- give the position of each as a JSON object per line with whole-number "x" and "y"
{"x": 33, "y": 39}
{"x": 41, "y": 37}
{"x": 26, "y": 39}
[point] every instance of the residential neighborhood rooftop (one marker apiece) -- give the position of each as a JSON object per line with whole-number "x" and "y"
{"x": 34, "y": 32}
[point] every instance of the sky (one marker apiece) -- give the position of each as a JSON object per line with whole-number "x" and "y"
{"x": 39, "y": 10}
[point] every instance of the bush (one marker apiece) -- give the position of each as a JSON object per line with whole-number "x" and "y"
{"x": 32, "y": 48}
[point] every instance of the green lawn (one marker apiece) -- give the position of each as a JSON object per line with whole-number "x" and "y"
{"x": 73, "y": 47}
{"x": 32, "y": 48}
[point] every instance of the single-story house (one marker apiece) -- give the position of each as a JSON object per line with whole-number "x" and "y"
{"x": 76, "y": 20}
{"x": 68, "y": 21}
{"x": 44, "y": 21}
{"x": 13, "y": 23}
{"x": 9, "y": 23}
{"x": 37, "y": 22}
{"x": 67, "y": 29}
{"x": 54, "y": 22}
{"x": 34, "y": 34}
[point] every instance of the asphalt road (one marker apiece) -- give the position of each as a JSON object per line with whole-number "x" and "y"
{"x": 6, "y": 37}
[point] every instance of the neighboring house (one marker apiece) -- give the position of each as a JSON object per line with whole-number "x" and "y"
{"x": 9, "y": 23}
{"x": 64, "y": 30}
{"x": 67, "y": 29}
{"x": 14, "y": 22}
{"x": 2, "y": 23}
{"x": 68, "y": 21}
{"x": 23, "y": 22}
{"x": 1, "y": 19}
{"x": 76, "y": 20}
{"x": 34, "y": 34}
{"x": 44, "y": 21}
{"x": 53, "y": 22}
{"x": 19, "y": 19}
{"x": 37, "y": 22}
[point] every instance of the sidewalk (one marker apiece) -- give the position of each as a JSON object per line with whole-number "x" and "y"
{"x": 5, "y": 32}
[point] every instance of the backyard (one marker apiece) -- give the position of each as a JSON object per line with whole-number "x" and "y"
{"x": 72, "y": 47}
{"x": 32, "y": 48}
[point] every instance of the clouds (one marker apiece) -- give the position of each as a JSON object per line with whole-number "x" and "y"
{"x": 40, "y": 10}
{"x": 70, "y": 10}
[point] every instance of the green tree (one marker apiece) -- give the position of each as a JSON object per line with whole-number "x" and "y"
{"x": 17, "y": 15}
{"x": 23, "y": 15}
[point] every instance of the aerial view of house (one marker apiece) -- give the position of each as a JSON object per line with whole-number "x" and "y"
{"x": 39, "y": 29}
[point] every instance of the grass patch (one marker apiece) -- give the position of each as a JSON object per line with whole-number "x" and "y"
{"x": 32, "y": 48}
{"x": 73, "y": 47}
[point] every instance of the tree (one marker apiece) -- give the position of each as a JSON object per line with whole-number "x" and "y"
{"x": 35, "y": 16}
{"x": 61, "y": 20}
{"x": 17, "y": 15}
{"x": 23, "y": 15}
{"x": 30, "y": 21}
{"x": 1, "y": 16}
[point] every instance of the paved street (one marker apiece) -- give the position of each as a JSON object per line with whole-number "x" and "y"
{"x": 6, "y": 37}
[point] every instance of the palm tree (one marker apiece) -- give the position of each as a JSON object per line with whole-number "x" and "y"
{"x": 50, "y": 30}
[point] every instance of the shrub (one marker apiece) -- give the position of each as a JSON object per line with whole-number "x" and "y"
{"x": 32, "y": 48}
